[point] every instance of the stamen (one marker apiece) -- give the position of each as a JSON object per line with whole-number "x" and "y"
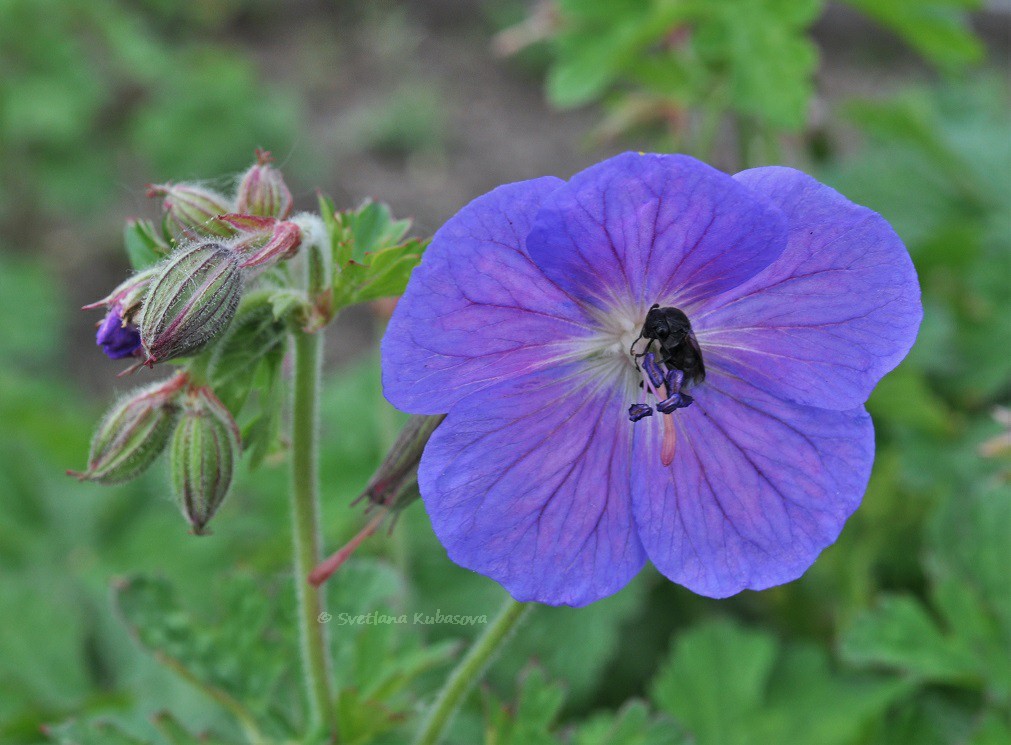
{"x": 674, "y": 402}
{"x": 639, "y": 411}
{"x": 675, "y": 378}
{"x": 652, "y": 370}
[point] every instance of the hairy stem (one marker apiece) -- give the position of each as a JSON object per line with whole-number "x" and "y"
{"x": 305, "y": 524}
{"x": 469, "y": 671}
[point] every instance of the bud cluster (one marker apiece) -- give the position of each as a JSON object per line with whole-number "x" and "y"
{"x": 178, "y": 306}
{"x": 205, "y": 444}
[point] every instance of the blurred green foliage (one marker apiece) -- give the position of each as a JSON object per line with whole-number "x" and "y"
{"x": 116, "y": 626}
{"x": 88, "y": 84}
{"x": 686, "y": 65}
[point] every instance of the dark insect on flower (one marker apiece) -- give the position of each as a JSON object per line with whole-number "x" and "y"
{"x": 678, "y": 348}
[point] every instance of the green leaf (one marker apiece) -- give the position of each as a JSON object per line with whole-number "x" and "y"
{"x": 98, "y": 732}
{"x": 288, "y": 303}
{"x": 715, "y": 681}
{"x": 143, "y": 245}
{"x": 372, "y": 257}
{"x": 733, "y": 686}
{"x": 384, "y": 274}
{"x": 899, "y": 633}
{"x": 938, "y": 29}
{"x": 372, "y": 228}
{"x": 172, "y": 730}
{"x": 633, "y": 724}
{"x": 532, "y": 718}
{"x": 252, "y": 337}
{"x": 228, "y": 660}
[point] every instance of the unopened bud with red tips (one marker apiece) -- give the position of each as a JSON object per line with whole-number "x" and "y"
{"x": 129, "y": 295}
{"x": 190, "y": 209}
{"x": 262, "y": 190}
{"x": 394, "y": 484}
{"x": 202, "y": 459}
{"x": 192, "y": 299}
{"x": 263, "y": 240}
{"x": 133, "y": 433}
{"x": 393, "y": 487}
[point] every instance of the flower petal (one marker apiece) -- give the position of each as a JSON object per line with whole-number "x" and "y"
{"x": 825, "y": 322}
{"x": 758, "y": 487}
{"x": 477, "y": 310}
{"x": 530, "y": 486}
{"x": 641, "y": 229}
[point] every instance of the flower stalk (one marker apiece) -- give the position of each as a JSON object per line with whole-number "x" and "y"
{"x": 467, "y": 673}
{"x": 305, "y": 526}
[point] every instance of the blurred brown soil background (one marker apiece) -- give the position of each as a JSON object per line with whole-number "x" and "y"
{"x": 407, "y": 103}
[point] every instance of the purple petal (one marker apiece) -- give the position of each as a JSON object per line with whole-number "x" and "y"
{"x": 838, "y": 310}
{"x": 639, "y": 229}
{"x": 531, "y": 488}
{"x": 116, "y": 339}
{"x": 757, "y": 489}
{"x": 477, "y": 310}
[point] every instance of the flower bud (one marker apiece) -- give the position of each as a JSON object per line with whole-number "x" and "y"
{"x": 118, "y": 335}
{"x": 192, "y": 299}
{"x": 133, "y": 433}
{"x": 189, "y": 209}
{"x": 394, "y": 484}
{"x": 263, "y": 240}
{"x": 202, "y": 459}
{"x": 262, "y": 190}
{"x": 129, "y": 295}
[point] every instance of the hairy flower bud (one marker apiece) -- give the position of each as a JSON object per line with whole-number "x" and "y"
{"x": 129, "y": 295}
{"x": 202, "y": 459}
{"x": 133, "y": 433}
{"x": 394, "y": 484}
{"x": 262, "y": 190}
{"x": 117, "y": 334}
{"x": 263, "y": 240}
{"x": 189, "y": 208}
{"x": 192, "y": 299}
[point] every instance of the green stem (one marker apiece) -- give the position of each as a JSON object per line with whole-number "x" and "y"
{"x": 468, "y": 672}
{"x": 305, "y": 524}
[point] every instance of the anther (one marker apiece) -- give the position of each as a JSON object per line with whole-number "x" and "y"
{"x": 639, "y": 411}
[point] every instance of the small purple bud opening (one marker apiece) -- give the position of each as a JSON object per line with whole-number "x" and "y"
{"x": 639, "y": 411}
{"x": 652, "y": 369}
{"x": 674, "y": 402}
{"x": 117, "y": 338}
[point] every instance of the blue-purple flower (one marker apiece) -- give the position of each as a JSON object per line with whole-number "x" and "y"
{"x": 576, "y": 446}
